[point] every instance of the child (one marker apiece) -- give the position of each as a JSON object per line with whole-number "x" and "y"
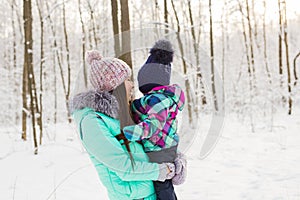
{"x": 156, "y": 112}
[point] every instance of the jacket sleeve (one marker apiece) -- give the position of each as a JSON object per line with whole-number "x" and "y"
{"x": 135, "y": 112}
{"x": 101, "y": 144}
{"x": 157, "y": 116}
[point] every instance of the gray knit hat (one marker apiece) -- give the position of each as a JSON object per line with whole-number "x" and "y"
{"x": 157, "y": 69}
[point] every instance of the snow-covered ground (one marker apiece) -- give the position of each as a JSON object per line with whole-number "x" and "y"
{"x": 244, "y": 165}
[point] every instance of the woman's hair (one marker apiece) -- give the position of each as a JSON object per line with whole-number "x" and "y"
{"x": 124, "y": 114}
{"x": 124, "y": 111}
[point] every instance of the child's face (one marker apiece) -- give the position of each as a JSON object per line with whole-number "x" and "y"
{"x": 129, "y": 89}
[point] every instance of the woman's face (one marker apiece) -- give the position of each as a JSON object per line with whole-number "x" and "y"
{"x": 129, "y": 89}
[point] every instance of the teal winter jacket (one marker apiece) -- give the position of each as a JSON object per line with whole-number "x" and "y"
{"x": 94, "y": 113}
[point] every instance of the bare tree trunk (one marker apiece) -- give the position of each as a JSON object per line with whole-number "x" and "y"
{"x": 187, "y": 84}
{"x": 28, "y": 57}
{"x": 40, "y": 118}
{"x": 125, "y": 28}
{"x": 25, "y": 82}
{"x": 56, "y": 57}
{"x": 106, "y": 28}
{"x": 156, "y": 14}
{"x": 89, "y": 37}
{"x": 83, "y": 45}
{"x": 65, "y": 87}
{"x": 55, "y": 88}
{"x": 223, "y": 38}
{"x": 267, "y": 65}
{"x": 20, "y": 20}
{"x": 8, "y": 67}
{"x": 93, "y": 24}
{"x": 166, "y": 15}
{"x": 246, "y": 45}
{"x": 14, "y": 47}
{"x": 287, "y": 58}
{"x": 265, "y": 45}
{"x": 24, "y": 101}
{"x": 212, "y": 59}
{"x": 254, "y": 32}
{"x": 251, "y": 44}
{"x": 115, "y": 23}
{"x": 200, "y": 23}
{"x": 199, "y": 89}
{"x": 295, "y": 68}
{"x": 250, "y": 72}
{"x": 224, "y": 27}
{"x": 67, "y": 92}
{"x": 199, "y": 82}
{"x": 280, "y": 46}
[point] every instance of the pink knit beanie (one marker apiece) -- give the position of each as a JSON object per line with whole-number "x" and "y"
{"x": 106, "y": 73}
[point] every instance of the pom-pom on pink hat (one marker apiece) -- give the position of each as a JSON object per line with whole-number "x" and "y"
{"x": 105, "y": 73}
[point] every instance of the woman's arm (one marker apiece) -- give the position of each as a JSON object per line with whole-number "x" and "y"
{"x": 99, "y": 142}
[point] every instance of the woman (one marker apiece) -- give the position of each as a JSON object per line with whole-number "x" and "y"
{"x": 100, "y": 114}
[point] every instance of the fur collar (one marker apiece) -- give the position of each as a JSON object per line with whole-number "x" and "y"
{"x": 102, "y": 102}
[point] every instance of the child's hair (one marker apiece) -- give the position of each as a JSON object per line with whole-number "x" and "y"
{"x": 124, "y": 114}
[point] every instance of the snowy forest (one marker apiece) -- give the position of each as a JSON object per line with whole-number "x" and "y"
{"x": 237, "y": 60}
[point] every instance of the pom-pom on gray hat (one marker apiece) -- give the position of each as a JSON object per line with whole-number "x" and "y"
{"x": 157, "y": 69}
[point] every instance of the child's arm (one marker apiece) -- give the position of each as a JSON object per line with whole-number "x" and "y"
{"x": 154, "y": 123}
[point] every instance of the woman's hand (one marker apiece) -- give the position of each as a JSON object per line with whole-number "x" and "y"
{"x": 166, "y": 171}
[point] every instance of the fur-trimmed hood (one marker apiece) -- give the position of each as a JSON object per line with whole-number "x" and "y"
{"x": 102, "y": 102}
